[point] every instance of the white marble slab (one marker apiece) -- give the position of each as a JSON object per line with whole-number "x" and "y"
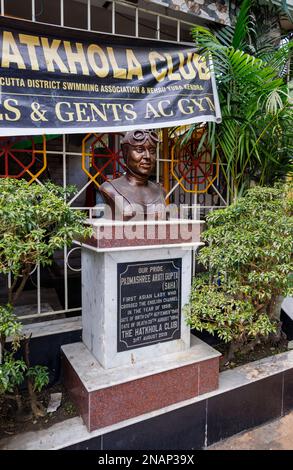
{"x": 52, "y": 327}
{"x": 101, "y": 222}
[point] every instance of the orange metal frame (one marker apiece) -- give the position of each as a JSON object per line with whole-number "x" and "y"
{"x": 113, "y": 158}
{"x": 207, "y": 174}
{"x": 7, "y": 152}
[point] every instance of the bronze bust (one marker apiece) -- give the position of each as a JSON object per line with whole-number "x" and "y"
{"x": 133, "y": 194}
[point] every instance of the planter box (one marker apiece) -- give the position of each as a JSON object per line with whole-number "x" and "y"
{"x": 248, "y": 396}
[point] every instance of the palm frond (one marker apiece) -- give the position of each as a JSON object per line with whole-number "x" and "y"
{"x": 286, "y": 10}
{"x": 255, "y": 137}
{"x": 242, "y": 23}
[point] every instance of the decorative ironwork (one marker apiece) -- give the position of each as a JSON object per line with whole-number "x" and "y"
{"x": 19, "y": 155}
{"x": 77, "y": 270}
{"x": 194, "y": 172}
{"x": 103, "y": 160}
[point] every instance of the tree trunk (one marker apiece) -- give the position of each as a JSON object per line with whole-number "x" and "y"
{"x": 244, "y": 349}
{"x": 10, "y": 290}
{"x": 36, "y": 407}
{"x": 2, "y": 347}
{"x": 233, "y": 348}
{"x": 250, "y": 346}
{"x": 274, "y": 308}
{"x": 14, "y": 295}
{"x": 17, "y": 398}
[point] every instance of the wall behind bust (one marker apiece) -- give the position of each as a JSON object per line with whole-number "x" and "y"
{"x": 214, "y": 10}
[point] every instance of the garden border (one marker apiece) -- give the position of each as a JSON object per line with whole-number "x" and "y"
{"x": 248, "y": 396}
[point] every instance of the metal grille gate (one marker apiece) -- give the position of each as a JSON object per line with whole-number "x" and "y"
{"x": 56, "y": 291}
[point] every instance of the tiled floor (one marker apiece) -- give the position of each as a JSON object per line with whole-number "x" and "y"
{"x": 277, "y": 435}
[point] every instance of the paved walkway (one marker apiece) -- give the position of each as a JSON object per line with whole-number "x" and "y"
{"x": 277, "y": 435}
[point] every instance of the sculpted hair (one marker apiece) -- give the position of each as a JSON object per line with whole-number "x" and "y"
{"x": 138, "y": 137}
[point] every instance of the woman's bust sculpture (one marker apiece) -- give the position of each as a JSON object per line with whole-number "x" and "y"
{"x": 133, "y": 194}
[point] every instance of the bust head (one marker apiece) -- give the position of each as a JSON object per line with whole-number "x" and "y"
{"x": 133, "y": 192}
{"x": 140, "y": 151}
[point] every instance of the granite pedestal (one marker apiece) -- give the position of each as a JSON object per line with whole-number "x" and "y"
{"x": 136, "y": 355}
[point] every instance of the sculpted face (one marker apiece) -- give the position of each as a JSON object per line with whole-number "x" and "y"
{"x": 141, "y": 158}
{"x": 133, "y": 193}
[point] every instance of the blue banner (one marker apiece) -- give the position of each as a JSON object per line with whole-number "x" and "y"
{"x": 55, "y": 85}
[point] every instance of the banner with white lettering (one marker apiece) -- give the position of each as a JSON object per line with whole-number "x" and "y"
{"x": 55, "y": 85}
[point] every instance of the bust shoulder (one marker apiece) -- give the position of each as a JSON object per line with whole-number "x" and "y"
{"x": 159, "y": 188}
{"x": 112, "y": 188}
{"x": 108, "y": 192}
{"x": 106, "y": 187}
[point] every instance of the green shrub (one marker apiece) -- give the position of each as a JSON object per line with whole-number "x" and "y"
{"x": 248, "y": 256}
{"x": 14, "y": 372}
{"x": 35, "y": 220}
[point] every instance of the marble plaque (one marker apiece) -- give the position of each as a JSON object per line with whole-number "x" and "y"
{"x": 149, "y": 303}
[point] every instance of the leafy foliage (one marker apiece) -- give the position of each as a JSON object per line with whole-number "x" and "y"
{"x": 14, "y": 372}
{"x": 9, "y": 326}
{"x": 249, "y": 258}
{"x": 40, "y": 377}
{"x": 255, "y": 138}
{"x": 35, "y": 221}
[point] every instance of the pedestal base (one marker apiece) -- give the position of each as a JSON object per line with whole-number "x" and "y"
{"x": 144, "y": 310}
{"x": 106, "y": 397}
